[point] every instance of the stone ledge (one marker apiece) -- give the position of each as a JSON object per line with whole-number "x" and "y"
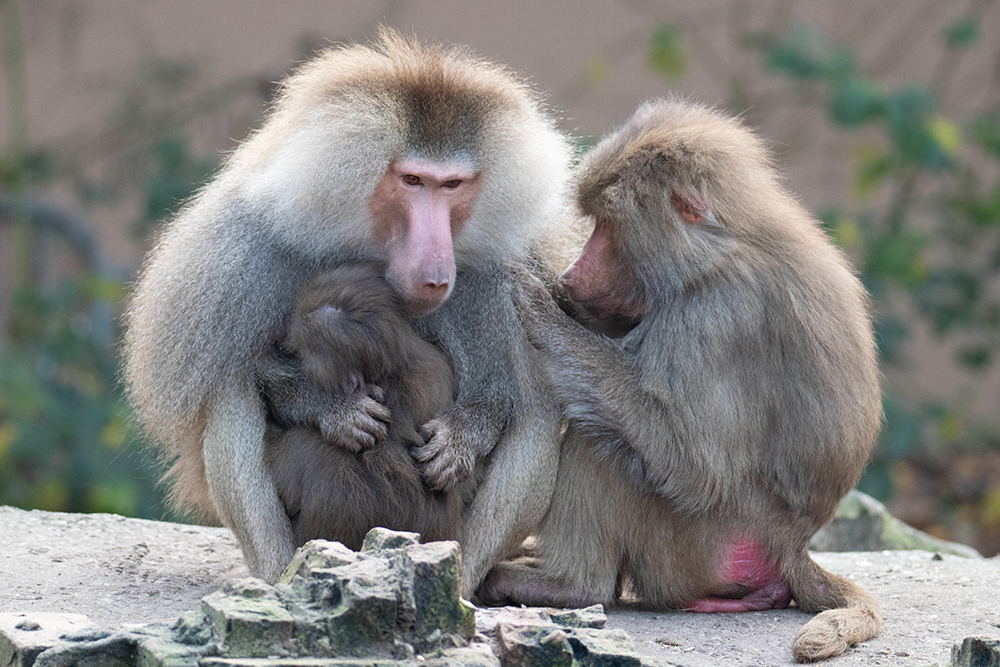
{"x": 118, "y": 571}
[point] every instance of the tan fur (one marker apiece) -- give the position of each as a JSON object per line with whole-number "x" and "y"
{"x": 741, "y": 404}
{"x": 293, "y": 199}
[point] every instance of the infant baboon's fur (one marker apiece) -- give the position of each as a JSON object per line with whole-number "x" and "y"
{"x": 348, "y": 333}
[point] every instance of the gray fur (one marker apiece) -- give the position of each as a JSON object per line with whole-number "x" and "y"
{"x": 215, "y": 292}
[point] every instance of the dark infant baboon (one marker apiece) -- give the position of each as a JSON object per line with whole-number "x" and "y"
{"x": 349, "y": 333}
{"x": 709, "y": 442}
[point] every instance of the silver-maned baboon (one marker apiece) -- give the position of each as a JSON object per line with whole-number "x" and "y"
{"x": 712, "y": 439}
{"x": 348, "y": 333}
{"x": 435, "y": 163}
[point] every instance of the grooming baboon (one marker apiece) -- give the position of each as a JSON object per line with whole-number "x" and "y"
{"x": 348, "y": 333}
{"x": 710, "y": 441}
{"x": 435, "y": 163}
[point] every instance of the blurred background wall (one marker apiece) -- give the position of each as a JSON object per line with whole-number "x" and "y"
{"x": 884, "y": 115}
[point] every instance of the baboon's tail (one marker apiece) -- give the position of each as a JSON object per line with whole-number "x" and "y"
{"x": 847, "y": 614}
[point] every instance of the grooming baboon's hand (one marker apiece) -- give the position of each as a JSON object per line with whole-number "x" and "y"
{"x": 538, "y": 310}
{"x": 361, "y": 422}
{"x": 446, "y": 460}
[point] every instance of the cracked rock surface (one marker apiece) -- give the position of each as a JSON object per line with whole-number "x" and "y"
{"x": 118, "y": 571}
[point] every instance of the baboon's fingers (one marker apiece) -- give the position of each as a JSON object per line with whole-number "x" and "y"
{"x": 538, "y": 310}
{"x": 445, "y": 462}
{"x": 362, "y": 424}
{"x": 372, "y": 408}
{"x": 375, "y": 393}
{"x": 350, "y": 439}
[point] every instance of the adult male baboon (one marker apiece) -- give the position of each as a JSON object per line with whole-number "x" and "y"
{"x": 439, "y": 165}
{"x": 348, "y": 333}
{"x": 712, "y": 439}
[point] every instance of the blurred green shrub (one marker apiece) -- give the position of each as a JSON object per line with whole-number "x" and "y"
{"x": 66, "y": 441}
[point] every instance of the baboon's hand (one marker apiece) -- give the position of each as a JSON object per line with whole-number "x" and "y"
{"x": 543, "y": 321}
{"x": 445, "y": 457}
{"x": 361, "y": 421}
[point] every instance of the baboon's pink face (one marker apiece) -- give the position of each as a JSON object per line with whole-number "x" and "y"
{"x": 418, "y": 207}
{"x": 600, "y": 279}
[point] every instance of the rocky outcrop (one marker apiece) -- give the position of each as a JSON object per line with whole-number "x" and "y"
{"x": 864, "y": 524}
{"x": 396, "y": 602}
{"x": 119, "y": 571}
{"x": 976, "y": 652}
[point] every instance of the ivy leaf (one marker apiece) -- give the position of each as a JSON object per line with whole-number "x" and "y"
{"x": 101, "y": 287}
{"x": 666, "y": 56}
{"x": 920, "y": 135}
{"x": 899, "y": 256}
{"x": 856, "y": 100}
{"x": 873, "y": 167}
{"x": 946, "y": 134}
{"x": 32, "y": 167}
{"x": 962, "y": 33}
{"x": 808, "y": 54}
{"x": 986, "y": 130}
{"x": 977, "y": 357}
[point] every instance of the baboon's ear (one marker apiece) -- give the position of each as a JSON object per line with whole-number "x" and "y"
{"x": 692, "y": 208}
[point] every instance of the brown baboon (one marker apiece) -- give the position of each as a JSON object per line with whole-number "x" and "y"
{"x": 712, "y": 439}
{"x": 439, "y": 165}
{"x": 348, "y": 333}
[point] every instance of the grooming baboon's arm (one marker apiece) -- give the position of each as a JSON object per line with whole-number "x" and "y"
{"x": 603, "y": 390}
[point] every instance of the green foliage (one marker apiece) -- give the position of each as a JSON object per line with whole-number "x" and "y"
{"x": 897, "y": 255}
{"x": 935, "y": 245}
{"x": 64, "y": 440}
{"x": 986, "y": 131}
{"x": 65, "y": 437}
{"x": 807, "y": 54}
{"x": 855, "y": 100}
{"x": 925, "y": 166}
{"x": 20, "y": 170}
{"x": 175, "y": 176}
{"x": 962, "y": 33}
{"x": 920, "y": 136}
{"x": 666, "y": 55}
